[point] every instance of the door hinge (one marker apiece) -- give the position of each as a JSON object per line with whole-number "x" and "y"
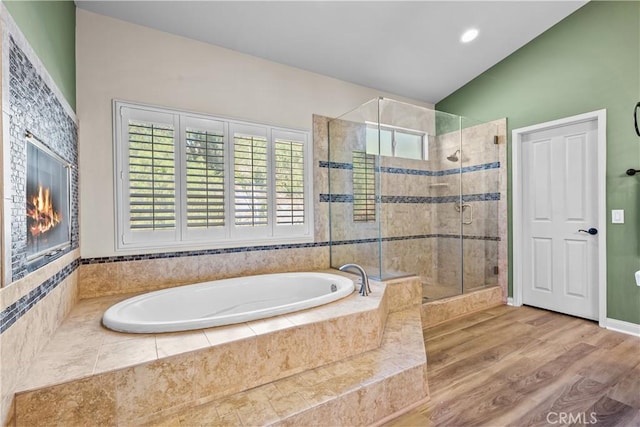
{"x": 496, "y": 139}
{"x": 496, "y": 270}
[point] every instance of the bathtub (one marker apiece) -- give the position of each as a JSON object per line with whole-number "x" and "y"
{"x": 224, "y": 302}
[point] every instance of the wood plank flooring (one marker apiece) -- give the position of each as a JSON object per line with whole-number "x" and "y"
{"x": 522, "y": 366}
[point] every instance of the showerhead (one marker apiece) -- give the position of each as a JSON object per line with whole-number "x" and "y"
{"x": 453, "y": 157}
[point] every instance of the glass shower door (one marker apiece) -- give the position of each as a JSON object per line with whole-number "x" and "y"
{"x": 480, "y": 177}
{"x": 445, "y": 197}
{"x": 413, "y": 191}
{"x": 354, "y": 188}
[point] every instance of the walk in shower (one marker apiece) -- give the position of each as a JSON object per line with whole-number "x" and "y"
{"x": 415, "y": 191}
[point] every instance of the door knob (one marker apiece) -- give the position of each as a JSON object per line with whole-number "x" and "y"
{"x": 592, "y": 231}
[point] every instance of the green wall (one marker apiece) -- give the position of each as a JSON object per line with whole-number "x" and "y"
{"x": 50, "y": 28}
{"x": 588, "y": 61}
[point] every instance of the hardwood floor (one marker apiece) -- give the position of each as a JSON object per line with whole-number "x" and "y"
{"x": 522, "y": 366}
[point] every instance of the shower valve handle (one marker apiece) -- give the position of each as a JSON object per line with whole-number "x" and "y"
{"x": 592, "y": 231}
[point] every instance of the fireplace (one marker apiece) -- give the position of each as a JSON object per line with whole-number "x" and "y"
{"x": 47, "y": 204}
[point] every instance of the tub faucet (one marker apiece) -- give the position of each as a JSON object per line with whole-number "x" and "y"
{"x": 364, "y": 287}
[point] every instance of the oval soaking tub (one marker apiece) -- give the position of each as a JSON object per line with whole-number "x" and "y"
{"x": 224, "y": 302}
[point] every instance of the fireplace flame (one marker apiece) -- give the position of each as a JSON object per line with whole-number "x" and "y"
{"x": 40, "y": 210}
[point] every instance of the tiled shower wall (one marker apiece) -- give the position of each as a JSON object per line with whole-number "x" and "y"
{"x": 32, "y": 304}
{"x": 420, "y": 226}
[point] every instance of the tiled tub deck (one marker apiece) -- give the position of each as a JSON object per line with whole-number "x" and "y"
{"x": 354, "y": 361}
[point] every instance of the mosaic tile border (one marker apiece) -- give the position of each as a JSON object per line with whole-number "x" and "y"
{"x": 348, "y": 198}
{"x": 464, "y": 169}
{"x": 416, "y": 237}
{"x": 335, "y": 165}
{"x": 335, "y": 198}
{"x": 15, "y": 311}
{"x": 219, "y": 251}
{"x": 420, "y": 172}
{"x": 33, "y": 106}
{"x": 179, "y": 254}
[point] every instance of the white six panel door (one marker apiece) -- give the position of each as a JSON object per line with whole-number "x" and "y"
{"x": 559, "y": 197}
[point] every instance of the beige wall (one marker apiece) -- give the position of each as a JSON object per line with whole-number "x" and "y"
{"x": 116, "y": 59}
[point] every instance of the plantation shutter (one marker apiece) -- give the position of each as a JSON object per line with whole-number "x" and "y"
{"x": 148, "y": 175}
{"x": 152, "y": 187}
{"x": 205, "y": 182}
{"x": 250, "y": 175}
{"x": 364, "y": 187}
{"x": 189, "y": 179}
{"x": 289, "y": 179}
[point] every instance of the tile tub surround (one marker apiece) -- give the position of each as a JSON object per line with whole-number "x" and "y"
{"x": 436, "y": 312}
{"x": 403, "y": 293}
{"x": 101, "y": 359}
{"x": 368, "y": 389}
{"x": 129, "y": 273}
{"x": 25, "y": 338}
{"x": 122, "y": 275}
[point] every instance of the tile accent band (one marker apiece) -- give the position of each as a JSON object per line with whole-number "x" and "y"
{"x": 421, "y": 172}
{"x": 15, "y": 311}
{"x": 348, "y": 198}
{"x": 219, "y": 251}
{"x": 415, "y": 237}
{"x": 163, "y": 255}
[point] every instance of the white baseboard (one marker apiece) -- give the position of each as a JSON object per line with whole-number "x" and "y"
{"x": 510, "y": 301}
{"x": 624, "y": 327}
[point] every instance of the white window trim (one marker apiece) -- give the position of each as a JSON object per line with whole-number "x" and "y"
{"x": 209, "y": 238}
{"x": 126, "y": 236}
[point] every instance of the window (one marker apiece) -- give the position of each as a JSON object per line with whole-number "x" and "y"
{"x": 251, "y": 195}
{"x": 364, "y": 187}
{"x": 289, "y": 180}
{"x": 397, "y": 142}
{"x": 151, "y": 172}
{"x": 184, "y": 179}
{"x": 204, "y": 152}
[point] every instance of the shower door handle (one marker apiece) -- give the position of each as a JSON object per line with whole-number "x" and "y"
{"x": 470, "y": 220}
{"x": 460, "y": 208}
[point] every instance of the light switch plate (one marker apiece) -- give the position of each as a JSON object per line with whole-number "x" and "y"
{"x": 617, "y": 216}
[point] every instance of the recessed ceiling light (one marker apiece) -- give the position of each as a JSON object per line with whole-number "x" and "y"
{"x": 469, "y": 35}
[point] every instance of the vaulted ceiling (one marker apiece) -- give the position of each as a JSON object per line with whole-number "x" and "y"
{"x": 409, "y": 48}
